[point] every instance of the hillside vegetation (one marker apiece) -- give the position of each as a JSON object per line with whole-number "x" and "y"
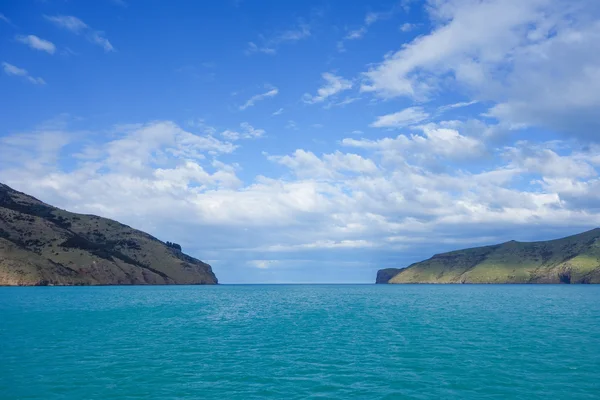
{"x": 574, "y": 259}
{"x": 44, "y": 245}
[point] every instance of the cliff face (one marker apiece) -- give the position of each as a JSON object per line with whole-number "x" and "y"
{"x": 574, "y": 259}
{"x": 384, "y": 275}
{"x": 43, "y": 245}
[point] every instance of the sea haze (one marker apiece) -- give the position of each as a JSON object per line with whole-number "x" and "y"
{"x": 300, "y": 341}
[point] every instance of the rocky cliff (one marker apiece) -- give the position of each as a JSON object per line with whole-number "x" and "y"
{"x": 44, "y": 245}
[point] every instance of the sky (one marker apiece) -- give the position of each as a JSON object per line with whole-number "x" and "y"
{"x": 307, "y": 141}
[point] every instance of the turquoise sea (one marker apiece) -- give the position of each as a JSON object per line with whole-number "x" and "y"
{"x": 301, "y": 341}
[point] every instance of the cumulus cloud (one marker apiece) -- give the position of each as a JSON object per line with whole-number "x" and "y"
{"x": 436, "y": 143}
{"x": 306, "y": 164}
{"x": 271, "y": 92}
{"x": 469, "y": 31}
{"x": 386, "y": 199}
{"x": 546, "y": 162}
{"x": 36, "y": 43}
{"x": 333, "y": 85}
{"x": 13, "y": 70}
{"x": 77, "y": 26}
{"x": 374, "y": 198}
{"x": 532, "y": 58}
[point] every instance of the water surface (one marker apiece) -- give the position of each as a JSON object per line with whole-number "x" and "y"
{"x": 301, "y": 341}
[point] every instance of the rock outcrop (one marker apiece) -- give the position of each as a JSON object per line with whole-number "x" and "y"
{"x": 384, "y": 275}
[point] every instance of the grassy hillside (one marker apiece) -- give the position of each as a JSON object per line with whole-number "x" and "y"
{"x": 574, "y": 259}
{"x": 43, "y": 245}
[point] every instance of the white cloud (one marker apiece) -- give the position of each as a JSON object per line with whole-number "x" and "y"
{"x": 192, "y": 173}
{"x": 98, "y": 38}
{"x": 368, "y": 197}
{"x": 333, "y": 85}
{"x": 203, "y": 126}
{"x": 532, "y": 58}
{"x": 5, "y": 19}
{"x": 254, "y": 48}
{"x": 408, "y": 116}
{"x": 291, "y": 124}
{"x": 407, "y": 27}
{"x": 358, "y": 33}
{"x": 263, "y": 264}
{"x": 271, "y": 92}
{"x": 41, "y": 148}
{"x": 472, "y": 35}
{"x": 373, "y": 17}
{"x": 36, "y": 43}
{"x": 68, "y": 22}
{"x": 270, "y": 45}
{"x": 456, "y": 105}
{"x": 436, "y": 142}
{"x": 141, "y": 145}
{"x": 302, "y": 32}
{"x": 306, "y": 164}
{"x": 13, "y": 70}
{"x": 77, "y": 26}
{"x": 387, "y": 199}
{"x": 534, "y": 159}
{"x": 325, "y": 244}
{"x": 449, "y": 142}
{"x": 347, "y": 100}
{"x": 10, "y": 69}
{"x": 247, "y": 132}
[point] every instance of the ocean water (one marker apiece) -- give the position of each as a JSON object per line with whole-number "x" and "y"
{"x": 301, "y": 341}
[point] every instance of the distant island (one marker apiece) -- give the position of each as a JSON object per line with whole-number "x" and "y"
{"x": 43, "y": 245}
{"x": 573, "y": 259}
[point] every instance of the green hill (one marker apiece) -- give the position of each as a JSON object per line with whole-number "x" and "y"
{"x": 44, "y": 245}
{"x": 574, "y": 259}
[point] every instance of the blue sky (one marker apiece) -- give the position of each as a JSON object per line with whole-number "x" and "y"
{"x": 307, "y": 141}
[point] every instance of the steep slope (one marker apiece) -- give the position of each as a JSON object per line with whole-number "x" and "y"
{"x": 574, "y": 259}
{"x": 44, "y": 245}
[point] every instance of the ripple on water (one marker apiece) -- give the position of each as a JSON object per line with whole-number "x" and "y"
{"x": 297, "y": 342}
